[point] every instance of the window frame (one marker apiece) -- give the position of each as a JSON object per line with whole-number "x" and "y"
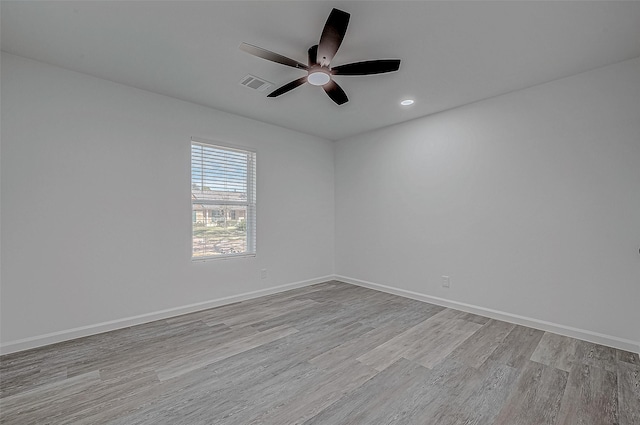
{"x": 251, "y": 204}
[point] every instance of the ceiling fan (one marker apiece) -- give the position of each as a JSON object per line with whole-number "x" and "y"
{"x": 319, "y": 72}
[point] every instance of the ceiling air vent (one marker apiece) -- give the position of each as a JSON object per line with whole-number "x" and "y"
{"x": 255, "y": 83}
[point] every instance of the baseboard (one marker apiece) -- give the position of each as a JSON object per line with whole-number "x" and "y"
{"x": 65, "y": 335}
{"x": 598, "y": 338}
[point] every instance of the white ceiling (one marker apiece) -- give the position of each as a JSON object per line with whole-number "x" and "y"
{"x": 453, "y": 53}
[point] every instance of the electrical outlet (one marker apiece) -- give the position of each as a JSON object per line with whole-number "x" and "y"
{"x": 446, "y": 281}
{"x": 263, "y": 274}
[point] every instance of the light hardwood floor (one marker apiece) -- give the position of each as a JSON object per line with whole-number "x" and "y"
{"x": 332, "y": 354}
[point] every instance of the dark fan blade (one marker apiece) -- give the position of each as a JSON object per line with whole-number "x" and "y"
{"x": 271, "y": 56}
{"x": 335, "y": 92}
{"x": 313, "y": 55}
{"x": 368, "y": 67}
{"x": 288, "y": 87}
{"x": 332, "y": 35}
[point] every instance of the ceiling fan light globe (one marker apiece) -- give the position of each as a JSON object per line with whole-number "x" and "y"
{"x": 318, "y": 78}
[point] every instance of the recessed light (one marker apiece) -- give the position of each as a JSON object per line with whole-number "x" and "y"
{"x": 407, "y": 102}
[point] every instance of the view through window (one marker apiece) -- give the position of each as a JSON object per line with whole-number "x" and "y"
{"x": 223, "y": 200}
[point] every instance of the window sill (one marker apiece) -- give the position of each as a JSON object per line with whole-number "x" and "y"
{"x": 222, "y": 257}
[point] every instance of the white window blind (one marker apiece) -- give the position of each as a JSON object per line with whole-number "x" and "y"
{"x": 223, "y": 200}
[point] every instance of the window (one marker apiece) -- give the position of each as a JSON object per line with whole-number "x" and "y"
{"x": 223, "y": 201}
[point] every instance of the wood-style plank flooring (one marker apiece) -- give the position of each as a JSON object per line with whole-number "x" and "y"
{"x": 331, "y": 354}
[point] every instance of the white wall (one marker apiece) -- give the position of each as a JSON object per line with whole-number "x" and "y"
{"x": 530, "y": 202}
{"x": 96, "y": 214}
